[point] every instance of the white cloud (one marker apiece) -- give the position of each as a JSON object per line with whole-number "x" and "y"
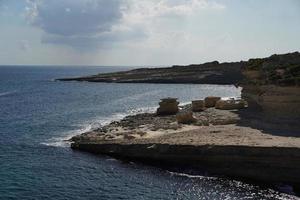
{"x": 75, "y": 23}
{"x": 90, "y": 24}
{"x": 157, "y": 19}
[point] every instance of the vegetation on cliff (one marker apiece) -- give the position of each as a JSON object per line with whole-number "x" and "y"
{"x": 281, "y": 70}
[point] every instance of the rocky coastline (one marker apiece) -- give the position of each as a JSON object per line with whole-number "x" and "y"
{"x": 255, "y": 138}
{"x": 207, "y": 73}
{"x": 217, "y": 142}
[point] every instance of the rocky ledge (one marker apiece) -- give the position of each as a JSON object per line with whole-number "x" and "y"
{"x": 217, "y": 142}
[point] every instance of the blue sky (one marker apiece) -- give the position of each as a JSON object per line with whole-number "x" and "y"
{"x": 145, "y": 32}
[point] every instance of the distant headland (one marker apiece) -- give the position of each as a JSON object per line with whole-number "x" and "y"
{"x": 208, "y": 73}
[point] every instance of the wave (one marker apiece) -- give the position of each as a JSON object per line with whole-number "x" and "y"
{"x": 2, "y": 94}
{"x": 62, "y": 141}
{"x": 191, "y": 176}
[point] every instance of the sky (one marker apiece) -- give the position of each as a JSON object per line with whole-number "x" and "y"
{"x": 145, "y": 32}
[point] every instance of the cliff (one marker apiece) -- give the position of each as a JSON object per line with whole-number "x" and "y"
{"x": 267, "y": 164}
{"x": 272, "y": 85}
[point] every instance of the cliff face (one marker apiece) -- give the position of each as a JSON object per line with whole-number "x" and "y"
{"x": 208, "y": 73}
{"x": 268, "y": 164}
{"x": 272, "y": 85}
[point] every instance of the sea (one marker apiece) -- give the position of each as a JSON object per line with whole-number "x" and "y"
{"x": 37, "y": 115}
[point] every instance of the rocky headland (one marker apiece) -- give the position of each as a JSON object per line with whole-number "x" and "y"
{"x": 207, "y": 73}
{"x": 257, "y": 138}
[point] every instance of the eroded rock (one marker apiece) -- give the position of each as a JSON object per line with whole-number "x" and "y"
{"x": 185, "y": 117}
{"x": 198, "y": 105}
{"x": 168, "y": 106}
{"x": 211, "y": 101}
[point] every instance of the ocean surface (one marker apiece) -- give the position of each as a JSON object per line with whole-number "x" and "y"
{"x": 37, "y": 114}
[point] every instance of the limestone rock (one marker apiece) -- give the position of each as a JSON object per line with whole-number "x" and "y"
{"x": 283, "y": 102}
{"x": 168, "y": 106}
{"x": 198, "y": 105}
{"x": 211, "y": 101}
{"x": 185, "y": 117}
{"x": 231, "y": 104}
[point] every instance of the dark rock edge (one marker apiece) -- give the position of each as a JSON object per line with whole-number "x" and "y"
{"x": 266, "y": 164}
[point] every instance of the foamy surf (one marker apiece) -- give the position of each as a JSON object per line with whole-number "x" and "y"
{"x": 62, "y": 141}
{"x": 191, "y": 176}
{"x": 2, "y": 94}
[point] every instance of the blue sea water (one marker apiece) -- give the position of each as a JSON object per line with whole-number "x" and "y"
{"x": 37, "y": 114}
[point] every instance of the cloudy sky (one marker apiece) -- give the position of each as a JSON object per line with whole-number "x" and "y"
{"x": 145, "y": 32}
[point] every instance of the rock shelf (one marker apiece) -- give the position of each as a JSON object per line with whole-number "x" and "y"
{"x": 215, "y": 142}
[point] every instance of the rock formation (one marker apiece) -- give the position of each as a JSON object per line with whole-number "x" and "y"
{"x": 185, "y": 117}
{"x": 211, "y": 101}
{"x": 272, "y": 86}
{"x": 168, "y": 106}
{"x": 198, "y": 105}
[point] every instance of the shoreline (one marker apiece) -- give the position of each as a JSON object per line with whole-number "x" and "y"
{"x": 221, "y": 144}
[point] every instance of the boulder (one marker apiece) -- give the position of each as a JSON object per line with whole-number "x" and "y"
{"x": 231, "y": 104}
{"x": 168, "y": 106}
{"x": 198, "y": 105}
{"x": 185, "y": 117}
{"x": 211, "y": 101}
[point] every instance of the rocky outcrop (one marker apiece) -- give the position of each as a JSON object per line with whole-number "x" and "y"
{"x": 218, "y": 141}
{"x": 213, "y": 143}
{"x": 185, "y": 117}
{"x": 272, "y": 86}
{"x": 198, "y": 105}
{"x": 211, "y": 101}
{"x": 168, "y": 106}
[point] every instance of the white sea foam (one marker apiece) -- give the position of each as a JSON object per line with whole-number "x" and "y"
{"x": 185, "y": 103}
{"x": 62, "y": 141}
{"x": 2, "y": 94}
{"x": 191, "y": 176}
